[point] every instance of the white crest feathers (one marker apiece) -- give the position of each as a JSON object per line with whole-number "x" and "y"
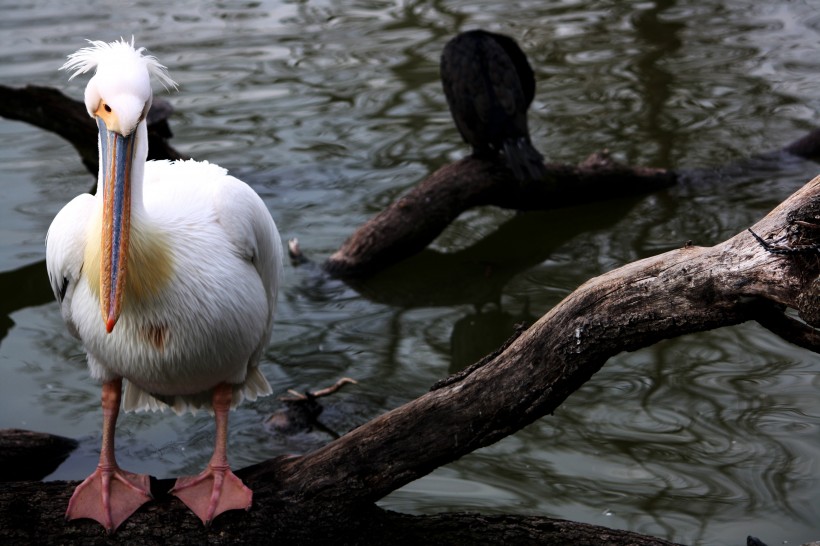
{"x": 98, "y": 52}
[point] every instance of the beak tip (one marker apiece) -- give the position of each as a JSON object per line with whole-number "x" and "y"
{"x": 109, "y": 324}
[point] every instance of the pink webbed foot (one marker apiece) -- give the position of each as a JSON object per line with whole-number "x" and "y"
{"x": 214, "y": 491}
{"x": 109, "y": 495}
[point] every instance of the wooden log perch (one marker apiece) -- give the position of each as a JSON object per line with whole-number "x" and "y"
{"x": 329, "y": 493}
{"x": 680, "y": 292}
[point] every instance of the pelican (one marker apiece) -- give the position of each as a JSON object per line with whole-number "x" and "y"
{"x": 168, "y": 276}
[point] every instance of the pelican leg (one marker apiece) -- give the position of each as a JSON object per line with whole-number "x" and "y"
{"x": 216, "y": 489}
{"x": 109, "y": 495}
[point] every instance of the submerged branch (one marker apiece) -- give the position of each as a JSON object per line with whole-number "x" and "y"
{"x": 413, "y": 221}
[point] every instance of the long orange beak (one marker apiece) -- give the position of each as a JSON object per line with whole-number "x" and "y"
{"x": 117, "y": 153}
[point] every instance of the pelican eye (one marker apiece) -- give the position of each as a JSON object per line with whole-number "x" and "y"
{"x": 107, "y": 108}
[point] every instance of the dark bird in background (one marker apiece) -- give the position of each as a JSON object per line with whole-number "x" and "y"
{"x": 489, "y": 86}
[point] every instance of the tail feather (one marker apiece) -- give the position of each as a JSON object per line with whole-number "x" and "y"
{"x": 524, "y": 160}
{"x": 136, "y": 399}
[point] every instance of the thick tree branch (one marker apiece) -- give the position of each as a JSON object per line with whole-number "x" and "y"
{"x": 33, "y": 513}
{"x": 416, "y": 219}
{"x": 683, "y": 291}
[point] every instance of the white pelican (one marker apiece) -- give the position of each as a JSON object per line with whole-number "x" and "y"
{"x": 183, "y": 262}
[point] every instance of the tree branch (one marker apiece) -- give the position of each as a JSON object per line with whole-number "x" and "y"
{"x": 680, "y": 292}
{"x": 416, "y": 219}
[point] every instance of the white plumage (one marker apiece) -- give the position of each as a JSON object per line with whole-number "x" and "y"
{"x": 169, "y": 274}
{"x": 211, "y": 321}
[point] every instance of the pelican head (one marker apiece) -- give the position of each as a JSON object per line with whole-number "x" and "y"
{"x": 118, "y": 97}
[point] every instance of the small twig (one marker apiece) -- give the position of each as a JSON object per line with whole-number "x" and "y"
{"x": 307, "y": 395}
{"x": 770, "y": 247}
{"x": 297, "y": 257}
{"x": 805, "y": 224}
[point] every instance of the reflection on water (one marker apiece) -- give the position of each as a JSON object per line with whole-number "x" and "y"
{"x": 332, "y": 109}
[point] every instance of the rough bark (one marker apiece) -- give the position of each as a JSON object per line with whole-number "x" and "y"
{"x": 330, "y": 492}
{"x": 680, "y": 292}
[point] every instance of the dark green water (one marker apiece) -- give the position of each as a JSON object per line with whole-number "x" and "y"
{"x": 333, "y": 109}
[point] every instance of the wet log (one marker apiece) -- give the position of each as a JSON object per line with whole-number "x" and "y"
{"x": 683, "y": 291}
{"x": 27, "y": 455}
{"x": 329, "y": 494}
{"x": 413, "y": 221}
{"x": 32, "y": 513}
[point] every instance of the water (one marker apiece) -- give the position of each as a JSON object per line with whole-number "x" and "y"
{"x": 332, "y": 109}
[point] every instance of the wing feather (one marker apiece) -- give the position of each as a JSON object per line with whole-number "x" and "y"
{"x": 65, "y": 248}
{"x": 249, "y": 224}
